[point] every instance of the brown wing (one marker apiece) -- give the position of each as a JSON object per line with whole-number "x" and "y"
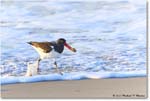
{"x": 45, "y": 46}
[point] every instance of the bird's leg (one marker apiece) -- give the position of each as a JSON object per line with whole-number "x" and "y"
{"x": 55, "y": 63}
{"x": 39, "y": 59}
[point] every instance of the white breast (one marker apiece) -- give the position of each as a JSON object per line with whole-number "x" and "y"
{"x": 51, "y": 54}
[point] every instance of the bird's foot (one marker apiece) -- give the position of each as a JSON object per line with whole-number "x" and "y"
{"x": 60, "y": 73}
{"x": 38, "y": 70}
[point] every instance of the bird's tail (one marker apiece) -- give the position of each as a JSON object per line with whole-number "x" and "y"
{"x": 29, "y": 43}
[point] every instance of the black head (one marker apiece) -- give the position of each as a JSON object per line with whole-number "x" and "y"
{"x": 61, "y": 41}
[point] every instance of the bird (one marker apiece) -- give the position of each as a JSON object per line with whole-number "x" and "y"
{"x": 47, "y": 50}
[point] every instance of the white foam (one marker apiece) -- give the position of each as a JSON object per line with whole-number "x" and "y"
{"x": 32, "y": 69}
{"x": 72, "y": 76}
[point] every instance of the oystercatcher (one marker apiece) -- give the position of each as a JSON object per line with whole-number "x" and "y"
{"x": 50, "y": 49}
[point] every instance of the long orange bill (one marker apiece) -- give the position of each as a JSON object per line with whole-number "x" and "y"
{"x": 68, "y": 46}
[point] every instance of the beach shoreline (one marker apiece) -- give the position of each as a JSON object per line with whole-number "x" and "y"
{"x": 89, "y": 88}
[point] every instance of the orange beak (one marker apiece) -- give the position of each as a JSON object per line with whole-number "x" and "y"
{"x": 69, "y": 47}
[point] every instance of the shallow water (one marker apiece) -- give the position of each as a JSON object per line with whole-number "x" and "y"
{"x": 110, "y": 37}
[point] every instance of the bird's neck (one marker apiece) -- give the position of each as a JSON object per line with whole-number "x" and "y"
{"x": 59, "y": 48}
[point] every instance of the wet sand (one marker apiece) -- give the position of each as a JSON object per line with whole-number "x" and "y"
{"x": 96, "y": 88}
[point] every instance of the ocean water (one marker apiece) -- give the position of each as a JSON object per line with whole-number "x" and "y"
{"x": 109, "y": 35}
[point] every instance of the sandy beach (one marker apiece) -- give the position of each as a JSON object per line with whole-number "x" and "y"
{"x": 97, "y": 88}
